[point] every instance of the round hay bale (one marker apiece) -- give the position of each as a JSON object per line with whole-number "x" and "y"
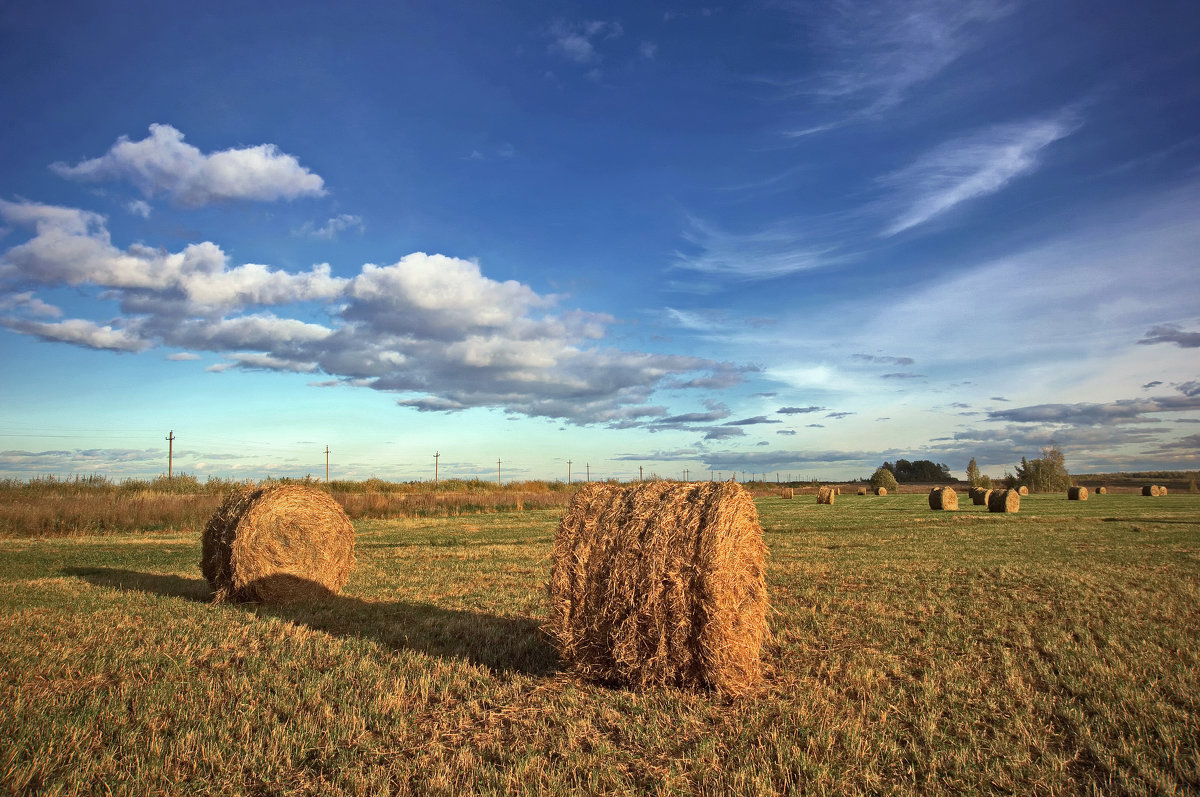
{"x": 837, "y": 490}
{"x": 1151, "y": 489}
{"x": 1004, "y": 501}
{"x": 862, "y": 490}
{"x": 661, "y": 585}
{"x": 943, "y": 498}
{"x": 1162, "y": 489}
{"x": 786, "y": 492}
{"x": 880, "y": 491}
{"x": 825, "y": 495}
{"x": 980, "y": 496}
{"x": 1101, "y": 491}
{"x": 1023, "y": 490}
{"x": 1077, "y": 493}
{"x": 277, "y": 545}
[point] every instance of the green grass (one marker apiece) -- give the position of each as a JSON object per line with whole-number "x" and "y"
{"x": 1053, "y": 651}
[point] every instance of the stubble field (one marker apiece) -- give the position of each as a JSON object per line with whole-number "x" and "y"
{"x": 1053, "y": 651}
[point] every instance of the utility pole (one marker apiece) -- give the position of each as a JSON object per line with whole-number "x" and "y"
{"x": 170, "y": 452}
{"x": 589, "y": 471}
{"x": 497, "y": 473}
{"x": 435, "y": 464}
{"x": 685, "y": 474}
{"x": 639, "y": 473}
{"x": 568, "y": 471}
{"x": 327, "y": 464}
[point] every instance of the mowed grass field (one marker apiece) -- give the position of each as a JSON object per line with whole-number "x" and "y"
{"x": 1055, "y": 651}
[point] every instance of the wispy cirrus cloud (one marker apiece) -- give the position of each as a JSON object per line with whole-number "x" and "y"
{"x": 876, "y": 52}
{"x": 336, "y": 225}
{"x": 968, "y": 168}
{"x": 764, "y": 254}
{"x": 576, "y": 41}
{"x": 162, "y": 163}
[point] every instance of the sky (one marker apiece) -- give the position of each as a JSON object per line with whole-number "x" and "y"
{"x": 793, "y": 239}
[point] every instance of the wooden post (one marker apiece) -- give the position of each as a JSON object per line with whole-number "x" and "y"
{"x": 170, "y": 452}
{"x": 327, "y": 464}
{"x": 497, "y": 473}
{"x": 435, "y": 466}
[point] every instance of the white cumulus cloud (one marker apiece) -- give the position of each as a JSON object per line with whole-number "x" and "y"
{"x": 163, "y": 163}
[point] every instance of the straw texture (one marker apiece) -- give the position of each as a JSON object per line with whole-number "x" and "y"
{"x": 661, "y": 585}
{"x": 1077, "y": 493}
{"x": 825, "y": 495}
{"x": 943, "y": 498}
{"x": 277, "y": 545}
{"x": 1004, "y": 501}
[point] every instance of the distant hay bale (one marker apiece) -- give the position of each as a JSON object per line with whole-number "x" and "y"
{"x": 661, "y": 584}
{"x": 786, "y": 492}
{"x": 277, "y": 545}
{"x": 1077, "y": 493}
{"x": 1023, "y": 490}
{"x": 825, "y": 495}
{"x": 943, "y": 498}
{"x": 1004, "y": 501}
{"x": 837, "y": 490}
{"x": 1152, "y": 489}
{"x": 862, "y": 490}
{"x": 880, "y": 491}
{"x": 979, "y": 496}
{"x": 1162, "y": 489}
{"x": 1101, "y": 491}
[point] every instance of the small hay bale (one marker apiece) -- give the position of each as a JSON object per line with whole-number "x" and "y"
{"x": 1150, "y": 489}
{"x": 943, "y": 498}
{"x": 1101, "y": 491}
{"x": 1077, "y": 493}
{"x": 1023, "y": 490}
{"x": 862, "y": 490}
{"x": 880, "y": 491}
{"x": 661, "y": 585}
{"x": 1004, "y": 501}
{"x": 825, "y": 495}
{"x": 277, "y": 545}
{"x": 837, "y": 490}
{"x": 786, "y": 492}
{"x": 1162, "y": 489}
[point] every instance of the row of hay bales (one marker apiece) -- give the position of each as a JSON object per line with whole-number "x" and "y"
{"x": 1154, "y": 490}
{"x": 650, "y": 585}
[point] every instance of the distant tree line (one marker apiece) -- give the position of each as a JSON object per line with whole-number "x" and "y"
{"x": 923, "y": 470}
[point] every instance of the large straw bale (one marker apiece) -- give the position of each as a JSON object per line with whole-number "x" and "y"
{"x": 277, "y": 545}
{"x": 786, "y": 492}
{"x": 880, "y": 491}
{"x": 1004, "y": 501}
{"x": 825, "y": 495}
{"x": 661, "y": 584}
{"x": 862, "y": 490}
{"x": 1151, "y": 489}
{"x": 979, "y": 496}
{"x": 943, "y": 498}
{"x": 1077, "y": 494}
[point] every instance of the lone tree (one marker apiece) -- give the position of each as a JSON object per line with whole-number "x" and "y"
{"x": 1047, "y": 474}
{"x": 972, "y": 473}
{"x": 883, "y": 477}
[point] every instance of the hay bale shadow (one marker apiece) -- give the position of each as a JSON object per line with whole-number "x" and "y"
{"x": 502, "y": 644}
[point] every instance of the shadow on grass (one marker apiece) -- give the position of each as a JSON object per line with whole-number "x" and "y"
{"x": 502, "y": 644}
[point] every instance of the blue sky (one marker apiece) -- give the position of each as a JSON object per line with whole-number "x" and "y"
{"x": 795, "y": 238}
